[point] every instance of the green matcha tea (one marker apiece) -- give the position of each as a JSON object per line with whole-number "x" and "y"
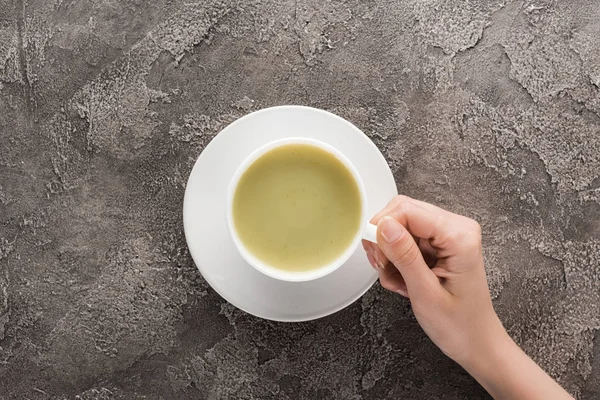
{"x": 297, "y": 208}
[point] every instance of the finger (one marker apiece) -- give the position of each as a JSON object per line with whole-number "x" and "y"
{"x": 372, "y": 260}
{"x": 388, "y": 208}
{"x": 427, "y": 206}
{"x": 391, "y": 208}
{"x": 448, "y": 233}
{"x": 379, "y": 266}
{"x": 420, "y": 218}
{"x": 396, "y": 201}
{"x": 373, "y": 248}
{"x": 420, "y": 222}
{"x": 375, "y": 252}
{"x": 391, "y": 279}
{"x": 400, "y": 248}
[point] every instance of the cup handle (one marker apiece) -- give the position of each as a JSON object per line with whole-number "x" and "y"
{"x": 370, "y": 233}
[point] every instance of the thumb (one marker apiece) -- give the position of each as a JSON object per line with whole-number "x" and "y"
{"x": 401, "y": 249}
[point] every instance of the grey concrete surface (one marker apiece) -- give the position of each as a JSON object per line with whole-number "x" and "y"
{"x": 489, "y": 108}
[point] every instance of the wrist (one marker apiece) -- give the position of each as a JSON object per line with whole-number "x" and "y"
{"x": 506, "y": 372}
{"x": 492, "y": 363}
{"x": 489, "y": 349}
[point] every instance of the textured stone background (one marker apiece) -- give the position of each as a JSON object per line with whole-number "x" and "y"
{"x": 488, "y": 108}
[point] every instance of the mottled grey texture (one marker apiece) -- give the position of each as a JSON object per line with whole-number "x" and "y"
{"x": 489, "y": 108}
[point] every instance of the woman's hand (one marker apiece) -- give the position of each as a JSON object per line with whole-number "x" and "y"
{"x": 434, "y": 258}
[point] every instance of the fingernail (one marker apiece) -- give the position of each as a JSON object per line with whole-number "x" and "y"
{"x": 390, "y": 229}
{"x": 371, "y": 260}
{"x": 381, "y": 264}
{"x": 402, "y": 292}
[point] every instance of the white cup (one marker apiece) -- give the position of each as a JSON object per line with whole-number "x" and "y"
{"x": 366, "y": 231}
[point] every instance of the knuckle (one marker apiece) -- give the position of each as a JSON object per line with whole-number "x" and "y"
{"x": 471, "y": 234}
{"x": 454, "y": 234}
{"x": 473, "y": 244}
{"x": 406, "y": 254}
{"x": 403, "y": 206}
{"x": 466, "y": 233}
{"x": 399, "y": 199}
{"x": 412, "y": 255}
{"x": 474, "y": 227}
{"x": 440, "y": 220}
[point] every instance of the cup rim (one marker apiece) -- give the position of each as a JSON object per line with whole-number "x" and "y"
{"x": 269, "y": 270}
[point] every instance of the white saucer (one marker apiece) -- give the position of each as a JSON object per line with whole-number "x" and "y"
{"x": 206, "y": 230}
